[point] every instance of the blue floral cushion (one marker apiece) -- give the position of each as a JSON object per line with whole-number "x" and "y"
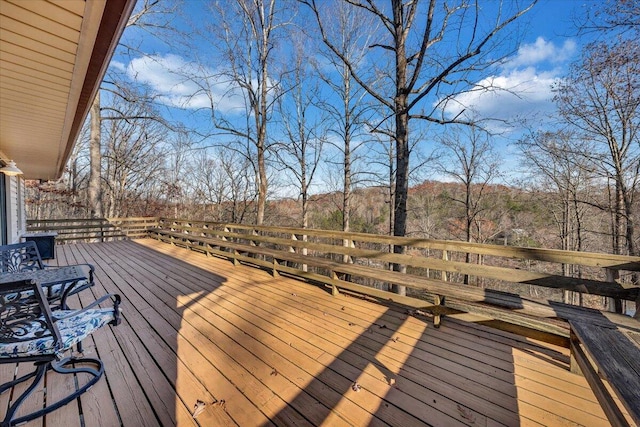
{"x": 51, "y": 292}
{"x": 35, "y": 340}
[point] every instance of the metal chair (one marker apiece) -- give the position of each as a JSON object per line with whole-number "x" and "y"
{"x": 30, "y": 331}
{"x": 24, "y": 257}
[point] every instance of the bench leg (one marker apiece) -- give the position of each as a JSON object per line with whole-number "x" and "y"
{"x": 437, "y": 317}
{"x": 582, "y": 363}
{"x": 334, "y": 288}
{"x": 574, "y": 367}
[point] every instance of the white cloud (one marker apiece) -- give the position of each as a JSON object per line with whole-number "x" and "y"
{"x": 117, "y": 65}
{"x": 542, "y": 51}
{"x": 522, "y": 86}
{"x": 506, "y": 96}
{"x": 182, "y": 84}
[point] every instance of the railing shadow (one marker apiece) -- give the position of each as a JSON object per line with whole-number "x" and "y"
{"x": 399, "y": 371}
{"x": 153, "y": 385}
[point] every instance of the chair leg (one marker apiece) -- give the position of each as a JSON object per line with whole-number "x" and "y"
{"x": 6, "y": 386}
{"x": 61, "y": 368}
{"x": 41, "y": 369}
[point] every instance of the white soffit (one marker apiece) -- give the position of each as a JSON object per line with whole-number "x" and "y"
{"x": 53, "y": 54}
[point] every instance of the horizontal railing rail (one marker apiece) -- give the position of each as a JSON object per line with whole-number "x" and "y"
{"x": 435, "y": 269}
{"x": 517, "y": 286}
{"x": 94, "y": 229}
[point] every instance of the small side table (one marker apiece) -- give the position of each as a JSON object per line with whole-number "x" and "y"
{"x": 45, "y": 241}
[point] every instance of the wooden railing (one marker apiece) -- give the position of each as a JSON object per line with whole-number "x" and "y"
{"x": 98, "y": 229}
{"x": 515, "y": 288}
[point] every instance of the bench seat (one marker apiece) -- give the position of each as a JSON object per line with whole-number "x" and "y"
{"x": 611, "y": 352}
{"x": 443, "y": 297}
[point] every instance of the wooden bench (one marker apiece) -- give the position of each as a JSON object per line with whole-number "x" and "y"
{"x": 602, "y": 349}
{"x": 443, "y": 298}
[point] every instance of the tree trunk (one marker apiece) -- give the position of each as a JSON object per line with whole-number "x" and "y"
{"x": 346, "y": 197}
{"x": 262, "y": 186}
{"x": 402, "y": 187}
{"x": 95, "y": 156}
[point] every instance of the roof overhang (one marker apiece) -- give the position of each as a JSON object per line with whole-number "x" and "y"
{"x": 53, "y": 56}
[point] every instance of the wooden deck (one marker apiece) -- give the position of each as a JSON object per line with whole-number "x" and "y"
{"x": 262, "y": 350}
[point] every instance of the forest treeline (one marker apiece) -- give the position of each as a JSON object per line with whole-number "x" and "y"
{"x": 340, "y": 114}
{"x": 508, "y": 215}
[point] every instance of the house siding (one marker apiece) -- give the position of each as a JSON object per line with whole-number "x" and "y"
{"x": 15, "y": 209}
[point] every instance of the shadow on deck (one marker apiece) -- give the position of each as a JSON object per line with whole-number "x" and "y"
{"x": 262, "y": 350}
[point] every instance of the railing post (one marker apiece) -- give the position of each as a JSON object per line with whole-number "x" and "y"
{"x": 445, "y": 257}
{"x": 615, "y": 303}
{"x": 305, "y": 252}
{"x": 292, "y": 250}
{"x": 334, "y": 288}
{"x": 348, "y": 243}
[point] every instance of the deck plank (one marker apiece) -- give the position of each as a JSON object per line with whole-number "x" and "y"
{"x": 34, "y": 401}
{"x": 446, "y": 418}
{"x": 97, "y": 405}
{"x": 529, "y": 357}
{"x": 282, "y": 352}
{"x": 232, "y": 354}
{"x": 139, "y": 299}
{"x": 323, "y": 330}
{"x": 153, "y": 381}
{"x": 119, "y": 387}
{"x": 59, "y": 386}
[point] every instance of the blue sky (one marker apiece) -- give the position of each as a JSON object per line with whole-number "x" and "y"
{"x": 549, "y": 44}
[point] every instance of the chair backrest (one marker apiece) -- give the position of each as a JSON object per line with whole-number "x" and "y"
{"x": 20, "y": 257}
{"x": 23, "y": 320}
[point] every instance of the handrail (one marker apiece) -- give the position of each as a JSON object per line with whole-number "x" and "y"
{"x": 592, "y": 259}
{"x": 362, "y": 262}
{"x": 94, "y": 229}
{"x": 557, "y": 256}
{"x": 434, "y": 266}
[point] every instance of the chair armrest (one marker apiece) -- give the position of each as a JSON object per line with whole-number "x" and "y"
{"x": 91, "y": 268}
{"x": 115, "y": 298}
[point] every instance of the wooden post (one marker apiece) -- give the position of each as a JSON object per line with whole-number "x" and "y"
{"x": 334, "y": 288}
{"x": 305, "y": 252}
{"x": 292, "y": 250}
{"x": 573, "y": 363}
{"x": 615, "y": 303}
{"x": 445, "y": 257}
{"x": 437, "y": 315}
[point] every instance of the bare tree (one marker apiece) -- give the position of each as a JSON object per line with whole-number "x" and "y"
{"x": 154, "y": 17}
{"x": 178, "y": 149}
{"x": 303, "y": 125}
{"x": 418, "y": 43}
{"x": 621, "y": 16}
{"x": 133, "y": 156}
{"x": 600, "y": 100}
{"x": 567, "y": 180}
{"x": 247, "y": 32}
{"x": 347, "y": 107}
{"x": 221, "y": 182}
{"x": 468, "y": 158}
